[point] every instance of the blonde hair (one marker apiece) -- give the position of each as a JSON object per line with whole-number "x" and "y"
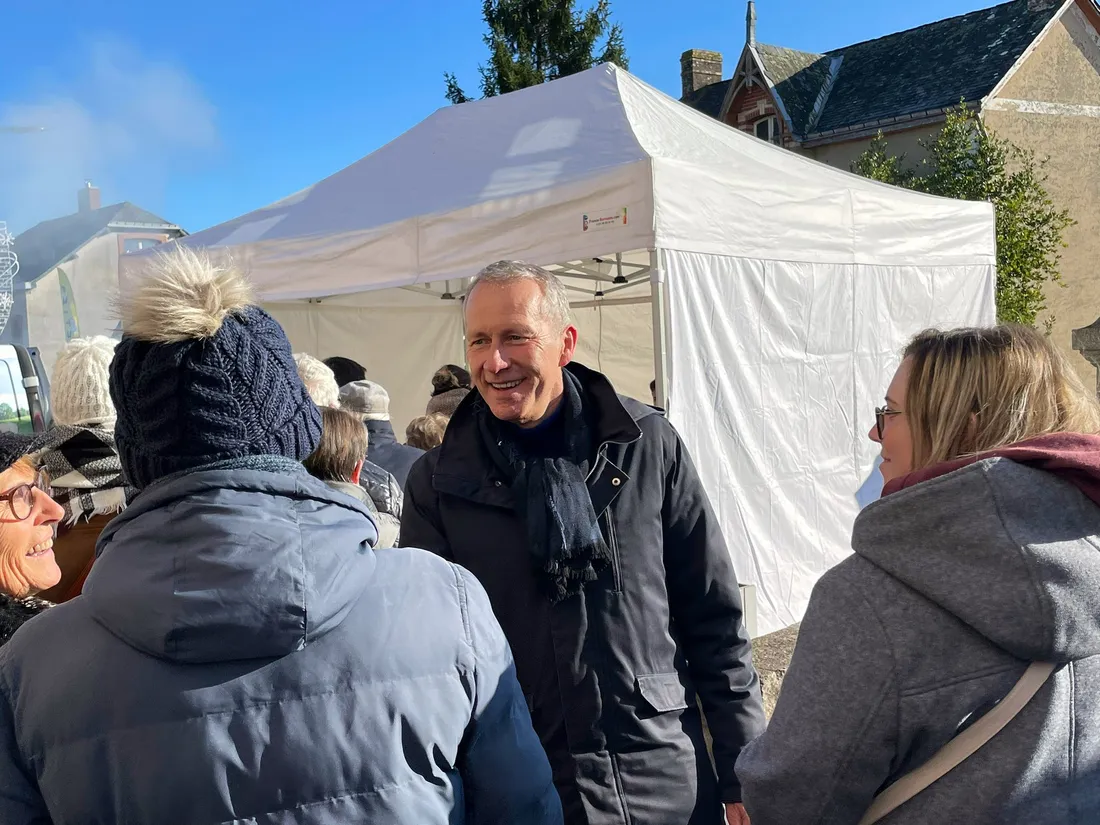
{"x": 426, "y": 431}
{"x": 976, "y": 389}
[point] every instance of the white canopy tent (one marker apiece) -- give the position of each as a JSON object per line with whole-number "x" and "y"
{"x": 769, "y": 292}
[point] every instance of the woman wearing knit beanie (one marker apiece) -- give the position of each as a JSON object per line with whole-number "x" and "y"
{"x": 79, "y": 454}
{"x": 450, "y": 385}
{"x": 240, "y": 652}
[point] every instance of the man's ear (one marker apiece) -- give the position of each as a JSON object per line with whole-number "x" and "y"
{"x": 570, "y": 345}
{"x": 355, "y": 473}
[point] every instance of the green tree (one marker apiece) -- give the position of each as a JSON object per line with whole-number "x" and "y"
{"x": 533, "y": 41}
{"x": 968, "y": 161}
{"x": 6, "y": 412}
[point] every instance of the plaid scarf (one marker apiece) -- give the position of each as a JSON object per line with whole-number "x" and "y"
{"x": 85, "y": 471}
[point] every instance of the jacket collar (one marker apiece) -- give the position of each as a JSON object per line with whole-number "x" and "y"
{"x": 380, "y": 431}
{"x": 466, "y": 468}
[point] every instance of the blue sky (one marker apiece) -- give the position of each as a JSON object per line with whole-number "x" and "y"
{"x": 204, "y": 110}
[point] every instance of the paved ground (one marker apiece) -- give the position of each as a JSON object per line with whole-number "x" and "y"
{"x": 772, "y": 656}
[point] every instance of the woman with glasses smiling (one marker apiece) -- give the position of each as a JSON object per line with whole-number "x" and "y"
{"x": 976, "y": 576}
{"x": 27, "y": 519}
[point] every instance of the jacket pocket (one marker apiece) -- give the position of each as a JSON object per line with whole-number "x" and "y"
{"x": 663, "y": 691}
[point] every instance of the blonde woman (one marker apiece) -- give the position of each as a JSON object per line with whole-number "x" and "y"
{"x": 982, "y": 556}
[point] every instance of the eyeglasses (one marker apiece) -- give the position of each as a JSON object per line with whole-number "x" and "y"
{"x": 881, "y": 414}
{"x": 21, "y": 499}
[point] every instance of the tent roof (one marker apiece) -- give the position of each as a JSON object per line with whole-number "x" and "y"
{"x": 515, "y": 177}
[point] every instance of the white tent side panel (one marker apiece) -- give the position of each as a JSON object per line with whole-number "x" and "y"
{"x": 776, "y": 370}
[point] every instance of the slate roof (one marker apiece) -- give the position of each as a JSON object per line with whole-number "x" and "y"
{"x": 798, "y": 78}
{"x": 46, "y": 244}
{"x": 930, "y": 67}
{"x": 708, "y": 99}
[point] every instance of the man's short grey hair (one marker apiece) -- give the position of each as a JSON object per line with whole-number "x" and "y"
{"x": 555, "y": 300}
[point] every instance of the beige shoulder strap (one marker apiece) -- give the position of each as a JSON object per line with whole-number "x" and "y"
{"x": 962, "y": 746}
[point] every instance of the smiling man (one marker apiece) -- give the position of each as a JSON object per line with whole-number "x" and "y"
{"x": 582, "y": 515}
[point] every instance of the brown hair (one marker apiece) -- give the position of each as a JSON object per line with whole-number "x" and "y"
{"x": 976, "y": 389}
{"x": 343, "y": 445}
{"x": 426, "y": 431}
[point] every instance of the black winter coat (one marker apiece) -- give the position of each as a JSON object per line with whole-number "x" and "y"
{"x": 611, "y": 675}
{"x": 384, "y": 450}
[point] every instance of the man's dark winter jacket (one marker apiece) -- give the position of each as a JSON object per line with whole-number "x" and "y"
{"x": 240, "y": 654}
{"x": 611, "y": 675}
{"x": 384, "y": 450}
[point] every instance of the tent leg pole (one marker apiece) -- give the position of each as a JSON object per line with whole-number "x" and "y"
{"x": 660, "y": 340}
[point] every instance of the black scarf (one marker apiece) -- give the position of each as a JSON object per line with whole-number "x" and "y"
{"x": 552, "y": 499}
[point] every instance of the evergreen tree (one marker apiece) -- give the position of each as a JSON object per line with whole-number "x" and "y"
{"x": 533, "y": 41}
{"x": 967, "y": 161}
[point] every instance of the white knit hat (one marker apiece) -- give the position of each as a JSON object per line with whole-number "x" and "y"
{"x": 319, "y": 379}
{"x": 79, "y": 391}
{"x": 367, "y": 399}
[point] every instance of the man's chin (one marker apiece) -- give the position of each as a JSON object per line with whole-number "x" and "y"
{"x": 513, "y": 413}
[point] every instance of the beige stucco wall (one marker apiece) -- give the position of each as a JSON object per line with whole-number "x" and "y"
{"x": 45, "y": 325}
{"x": 903, "y": 142}
{"x": 1064, "y": 69}
{"x": 93, "y": 276}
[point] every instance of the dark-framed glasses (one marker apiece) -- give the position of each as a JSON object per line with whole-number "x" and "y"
{"x": 881, "y": 414}
{"x": 20, "y": 499}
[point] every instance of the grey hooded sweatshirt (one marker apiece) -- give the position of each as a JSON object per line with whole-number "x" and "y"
{"x": 957, "y": 583}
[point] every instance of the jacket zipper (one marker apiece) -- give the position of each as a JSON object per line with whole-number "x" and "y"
{"x": 619, "y": 787}
{"x": 613, "y": 546}
{"x": 612, "y": 539}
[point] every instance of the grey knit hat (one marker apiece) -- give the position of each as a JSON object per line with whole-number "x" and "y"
{"x": 446, "y": 402}
{"x": 366, "y": 399}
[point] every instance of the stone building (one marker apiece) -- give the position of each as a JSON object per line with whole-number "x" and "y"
{"x": 1031, "y": 68}
{"x": 68, "y": 272}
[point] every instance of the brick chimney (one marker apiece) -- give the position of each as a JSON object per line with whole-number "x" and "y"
{"x": 699, "y": 68}
{"x": 87, "y": 197}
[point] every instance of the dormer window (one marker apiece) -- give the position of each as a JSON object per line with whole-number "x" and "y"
{"x": 767, "y": 128}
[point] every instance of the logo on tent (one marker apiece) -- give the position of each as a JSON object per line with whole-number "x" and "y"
{"x": 603, "y": 219}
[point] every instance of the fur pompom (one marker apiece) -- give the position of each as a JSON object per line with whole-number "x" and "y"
{"x": 182, "y": 296}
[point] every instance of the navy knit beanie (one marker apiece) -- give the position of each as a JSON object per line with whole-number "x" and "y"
{"x": 203, "y": 375}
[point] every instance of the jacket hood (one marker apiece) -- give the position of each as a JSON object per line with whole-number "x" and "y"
{"x": 1008, "y": 545}
{"x": 222, "y": 565}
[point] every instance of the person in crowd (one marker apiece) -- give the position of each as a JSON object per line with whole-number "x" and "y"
{"x": 78, "y": 452}
{"x": 27, "y": 519}
{"x": 582, "y": 514}
{"x": 370, "y": 401}
{"x": 319, "y": 380}
{"x": 345, "y": 370}
{"x": 338, "y": 461}
{"x": 980, "y": 558}
{"x": 450, "y": 385}
{"x": 426, "y": 432}
{"x": 240, "y": 653}
{"x": 380, "y": 485}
